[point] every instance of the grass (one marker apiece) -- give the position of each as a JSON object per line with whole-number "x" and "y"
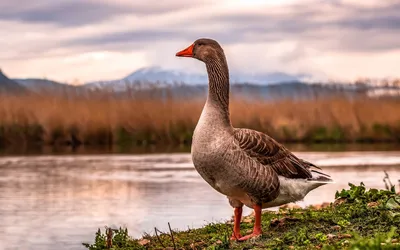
{"x": 103, "y": 119}
{"x": 358, "y": 219}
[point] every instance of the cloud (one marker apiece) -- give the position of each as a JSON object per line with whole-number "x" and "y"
{"x": 82, "y": 12}
{"x": 295, "y": 36}
{"x": 64, "y": 13}
{"x": 314, "y": 24}
{"x": 333, "y": 26}
{"x": 138, "y": 37}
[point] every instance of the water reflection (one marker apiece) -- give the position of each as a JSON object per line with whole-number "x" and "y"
{"x": 57, "y": 202}
{"x": 153, "y": 149}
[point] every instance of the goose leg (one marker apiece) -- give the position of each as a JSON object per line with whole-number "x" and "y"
{"x": 257, "y": 224}
{"x": 236, "y": 223}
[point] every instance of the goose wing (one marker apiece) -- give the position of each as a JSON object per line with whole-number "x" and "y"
{"x": 271, "y": 154}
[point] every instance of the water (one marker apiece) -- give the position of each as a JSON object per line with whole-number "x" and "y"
{"x": 57, "y": 202}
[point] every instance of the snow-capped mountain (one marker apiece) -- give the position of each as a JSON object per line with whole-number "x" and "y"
{"x": 157, "y": 74}
{"x": 167, "y": 77}
{"x": 143, "y": 76}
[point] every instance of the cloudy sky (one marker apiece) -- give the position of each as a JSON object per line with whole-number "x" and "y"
{"x": 108, "y": 39}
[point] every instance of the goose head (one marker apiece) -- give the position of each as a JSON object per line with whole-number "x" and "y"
{"x": 203, "y": 49}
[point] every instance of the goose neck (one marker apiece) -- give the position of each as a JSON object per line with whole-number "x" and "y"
{"x": 218, "y": 91}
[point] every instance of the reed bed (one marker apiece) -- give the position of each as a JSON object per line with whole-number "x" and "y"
{"x": 105, "y": 119}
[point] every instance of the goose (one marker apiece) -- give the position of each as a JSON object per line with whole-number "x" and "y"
{"x": 247, "y": 166}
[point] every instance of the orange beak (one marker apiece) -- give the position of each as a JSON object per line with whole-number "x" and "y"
{"x": 188, "y": 52}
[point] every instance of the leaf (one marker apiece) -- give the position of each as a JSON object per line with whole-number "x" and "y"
{"x": 393, "y": 214}
{"x": 392, "y": 204}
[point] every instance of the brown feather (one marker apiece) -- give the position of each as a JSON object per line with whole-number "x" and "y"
{"x": 271, "y": 154}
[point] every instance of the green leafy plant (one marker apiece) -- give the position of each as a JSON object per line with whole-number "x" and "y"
{"x": 359, "y": 194}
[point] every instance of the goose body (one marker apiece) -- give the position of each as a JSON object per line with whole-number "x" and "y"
{"x": 225, "y": 166}
{"x": 247, "y": 166}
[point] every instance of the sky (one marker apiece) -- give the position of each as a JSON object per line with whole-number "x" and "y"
{"x": 89, "y": 40}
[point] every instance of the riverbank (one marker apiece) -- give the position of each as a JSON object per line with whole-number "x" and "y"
{"x": 358, "y": 219}
{"x": 106, "y": 120}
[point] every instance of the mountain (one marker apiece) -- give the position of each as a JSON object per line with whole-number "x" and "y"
{"x": 154, "y": 75}
{"x": 9, "y": 86}
{"x": 267, "y": 78}
{"x": 265, "y": 92}
{"x": 164, "y": 77}
{"x": 157, "y": 74}
{"x": 43, "y": 85}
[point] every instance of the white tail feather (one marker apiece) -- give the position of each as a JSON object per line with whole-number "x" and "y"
{"x": 319, "y": 177}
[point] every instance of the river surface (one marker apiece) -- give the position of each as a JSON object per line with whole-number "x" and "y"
{"x": 58, "y": 202}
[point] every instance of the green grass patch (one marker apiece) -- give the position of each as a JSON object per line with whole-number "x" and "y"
{"x": 358, "y": 219}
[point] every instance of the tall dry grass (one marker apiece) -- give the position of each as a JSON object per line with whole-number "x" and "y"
{"x": 105, "y": 119}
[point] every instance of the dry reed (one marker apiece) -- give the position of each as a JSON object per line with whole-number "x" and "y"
{"x": 104, "y": 119}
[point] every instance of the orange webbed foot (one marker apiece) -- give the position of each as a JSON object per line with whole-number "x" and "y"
{"x": 257, "y": 225}
{"x": 250, "y": 236}
{"x": 236, "y": 236}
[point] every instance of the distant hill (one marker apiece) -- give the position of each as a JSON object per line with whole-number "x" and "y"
{"x": 9, "y": 86}
{"x": 155, "y": 82}
{"x": 270, "y": 92}
{"x": 43, "y": 85}
{"x": 164, "y": 77}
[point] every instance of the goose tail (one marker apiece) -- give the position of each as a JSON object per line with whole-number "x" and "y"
{"x": 319, "y": 177}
